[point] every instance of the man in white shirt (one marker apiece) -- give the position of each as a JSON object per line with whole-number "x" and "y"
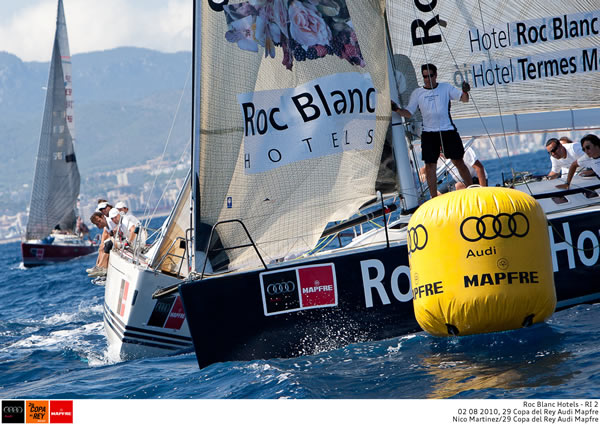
{"x": 590, "y": 144}
{"x": 439, "y": 132}
{"x": 562, "y": 156}
{"x": 104, "y": 207}
{"x": 128, "y": 224}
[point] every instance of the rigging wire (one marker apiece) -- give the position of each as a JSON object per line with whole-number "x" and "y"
{"x": 157, "y": 203}
{"x": 146, "y": 208}
{"x": 472, "y": 97}
{"x": 411, "y": 137}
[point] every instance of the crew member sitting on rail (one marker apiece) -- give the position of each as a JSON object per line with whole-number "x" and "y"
{"x": 104, "y": 207}
{"x": 101, "y": 266}
{"x": 126, "y": 223}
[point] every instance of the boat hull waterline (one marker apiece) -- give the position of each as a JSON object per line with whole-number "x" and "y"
{"x": 39, "y": 254}
{"x": 234, "y": 316}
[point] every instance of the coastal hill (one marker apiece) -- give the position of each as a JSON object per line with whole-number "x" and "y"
{"x": 125, "y": 101}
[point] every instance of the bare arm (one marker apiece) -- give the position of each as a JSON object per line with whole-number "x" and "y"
{"x": 131, "y": 234}
{"x": 401, "y": 111}
{"x": 572, "y": 170}
{"x": 478, "y": 166}
{"x": 553, "y": 175}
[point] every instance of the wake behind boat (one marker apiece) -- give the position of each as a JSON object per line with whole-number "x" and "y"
{"x": 53, "y": 233}
{"x": 290, "y": 139}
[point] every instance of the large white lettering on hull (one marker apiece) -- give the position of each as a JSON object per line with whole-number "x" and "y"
{"x": 586, "y": 244}
{"x": 375, "y": 285}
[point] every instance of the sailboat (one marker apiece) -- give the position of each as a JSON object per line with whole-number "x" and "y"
{"x": 291, "y": 112}
{"x": 52, "y": 233}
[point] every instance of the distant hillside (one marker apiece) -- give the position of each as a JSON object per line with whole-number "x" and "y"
{"x": 125, "y": 103}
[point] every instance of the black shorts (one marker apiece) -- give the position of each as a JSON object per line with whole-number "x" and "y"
{"x": 431, "y": 145}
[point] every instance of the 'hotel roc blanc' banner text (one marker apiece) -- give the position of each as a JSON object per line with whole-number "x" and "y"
{"x": 325, "y": 116}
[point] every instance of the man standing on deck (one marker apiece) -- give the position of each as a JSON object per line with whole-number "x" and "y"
{"x": 439, "y": 132}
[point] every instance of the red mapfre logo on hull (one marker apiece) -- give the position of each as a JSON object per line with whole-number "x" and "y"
{"x": 317, "y": 286}
{"x": 176, "y": 316}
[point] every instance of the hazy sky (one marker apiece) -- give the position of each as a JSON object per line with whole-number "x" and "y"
{"x": 27, "y": 26}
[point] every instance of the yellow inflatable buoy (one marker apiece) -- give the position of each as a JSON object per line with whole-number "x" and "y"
{"x": 480, "y": 262}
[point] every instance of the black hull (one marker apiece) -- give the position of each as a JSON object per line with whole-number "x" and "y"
{"x": 232, "y": 318}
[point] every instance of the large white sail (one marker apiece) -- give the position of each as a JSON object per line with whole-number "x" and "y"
{"x": 56, "y": 180}
{"x": 265, "y": 70}
{"x": 519, "y": 57}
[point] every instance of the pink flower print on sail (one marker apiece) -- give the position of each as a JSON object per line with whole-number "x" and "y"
{"x": 303, "y": 29}
{"x": 242, "y": 32}
{"x": 307, "y": 27}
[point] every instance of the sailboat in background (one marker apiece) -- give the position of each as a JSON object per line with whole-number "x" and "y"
{"x": 291, "y": 110}
{"x": 53, "y": 233}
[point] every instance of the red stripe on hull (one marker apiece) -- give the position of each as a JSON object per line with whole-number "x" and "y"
{"x": 40, "y": 254}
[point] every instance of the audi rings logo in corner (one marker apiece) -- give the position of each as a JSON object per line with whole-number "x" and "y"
{"x": 13, "y": 411}
{"x": 281, "y": 288}
{"x": 490, "y": 226}
{"x": 417, "y": 238}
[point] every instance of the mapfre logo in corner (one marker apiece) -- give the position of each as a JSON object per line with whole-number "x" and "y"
{"x": 61, "y": 411}
{"x": 13, "y": 411}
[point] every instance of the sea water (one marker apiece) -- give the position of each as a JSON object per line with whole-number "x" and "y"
{"x": 52, "y": 346}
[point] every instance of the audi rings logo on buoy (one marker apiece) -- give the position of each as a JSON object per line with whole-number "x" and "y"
{"x": 281, "y": 288}
{"x": 490, "y": 226}
{"x": 417, "y": 238}
{"x": 12, "y": 409}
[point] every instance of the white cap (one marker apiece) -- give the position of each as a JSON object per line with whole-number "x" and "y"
{"x": 120, "y": 205}
{"x": 102, "y": 205}
{"x": 113, "y": 213}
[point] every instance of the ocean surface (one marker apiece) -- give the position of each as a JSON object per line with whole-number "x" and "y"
{"x": 52, "y": 346}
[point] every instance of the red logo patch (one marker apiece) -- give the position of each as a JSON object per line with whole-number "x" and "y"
{"x": 176, "y": 316}
{"x": 61, "y": 411}
{"x": 123, "y": 297}
{"x": 317, "y": 286}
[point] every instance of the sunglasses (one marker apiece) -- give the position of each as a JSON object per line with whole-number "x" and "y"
{"x": 554, "y": 149}
{"x": 429, "y": 75}
{"x": 587, "y": 147}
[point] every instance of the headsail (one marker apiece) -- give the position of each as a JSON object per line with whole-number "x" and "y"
{"x": 170, "y": 255}
{"x": 292, "y": 111}
{"x": 519, "y": 57}
{"x": 56, "y": 181}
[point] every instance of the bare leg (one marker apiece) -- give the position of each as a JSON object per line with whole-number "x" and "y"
{"x": 103, "y": 260}
{"x": 430, "y": 170}
{"x": 463, "y": 171}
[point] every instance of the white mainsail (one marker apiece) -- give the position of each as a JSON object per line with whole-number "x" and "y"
{"x": 258, "y": 162}
{"x": 55, "y": 186}
{"x": 520, "y": 58}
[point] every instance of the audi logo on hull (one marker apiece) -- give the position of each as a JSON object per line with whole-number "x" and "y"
{"x": 12, "y": 409}
{"x": 416, "y": 238}
{"x": 281, "y": 288}
{"x": 490, "y": 226}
